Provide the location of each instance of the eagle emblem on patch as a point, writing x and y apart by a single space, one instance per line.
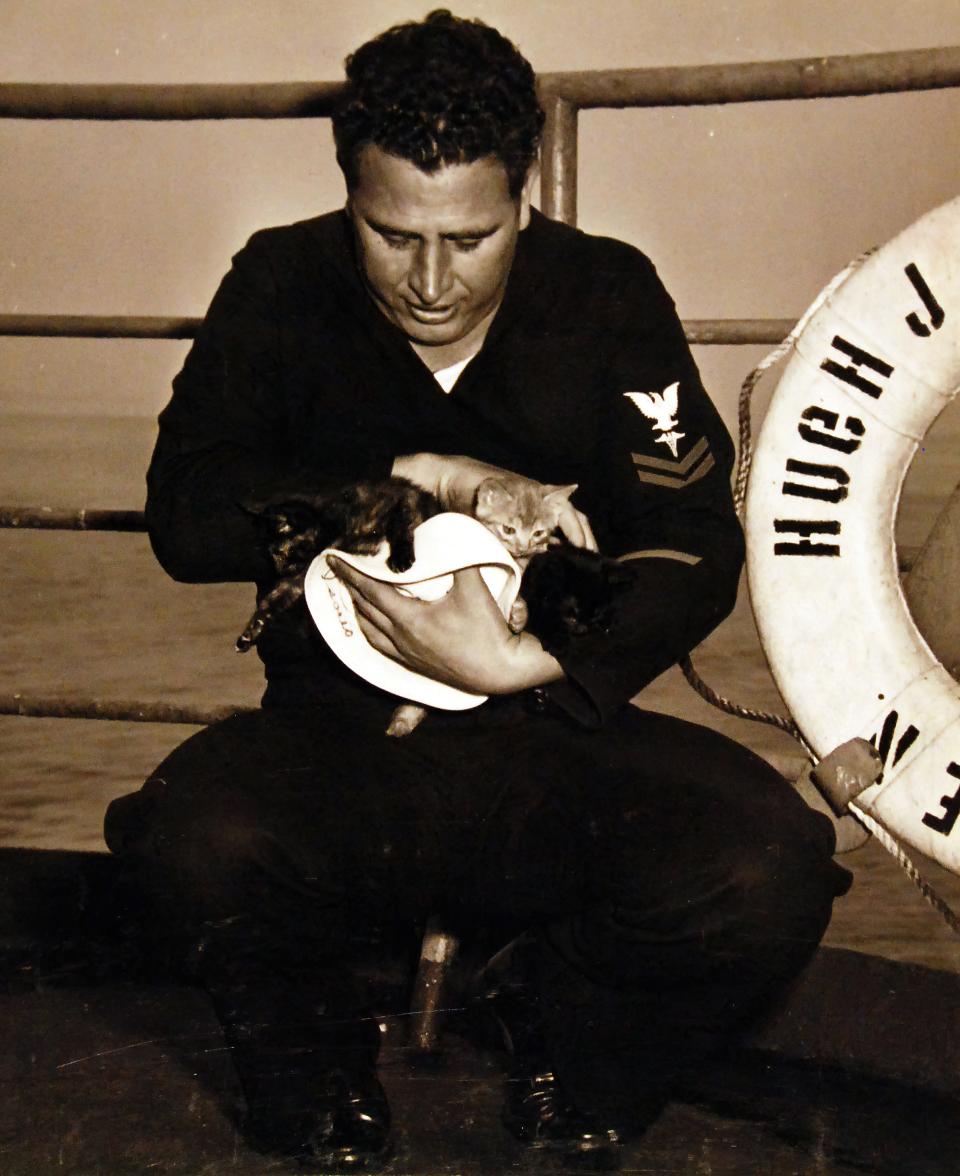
660 408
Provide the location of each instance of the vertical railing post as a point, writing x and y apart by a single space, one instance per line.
558 180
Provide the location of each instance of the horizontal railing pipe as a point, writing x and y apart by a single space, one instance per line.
116 710
41 518
736 332
168 102
74 326
759 81
750 81
98 326
45 518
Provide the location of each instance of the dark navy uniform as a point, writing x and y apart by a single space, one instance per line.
669 878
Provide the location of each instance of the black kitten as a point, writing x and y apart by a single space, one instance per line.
356 518
571 591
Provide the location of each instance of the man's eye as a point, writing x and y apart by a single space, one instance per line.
467 246
395 242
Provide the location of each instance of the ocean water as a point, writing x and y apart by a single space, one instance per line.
93 616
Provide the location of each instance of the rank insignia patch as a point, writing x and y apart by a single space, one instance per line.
675 472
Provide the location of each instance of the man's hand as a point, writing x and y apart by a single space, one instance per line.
454 481
461 639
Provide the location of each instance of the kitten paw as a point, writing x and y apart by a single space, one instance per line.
250 636
406 718
400 557
519 615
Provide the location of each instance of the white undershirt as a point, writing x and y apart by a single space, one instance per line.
448 376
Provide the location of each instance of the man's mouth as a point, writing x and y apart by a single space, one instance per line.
431 315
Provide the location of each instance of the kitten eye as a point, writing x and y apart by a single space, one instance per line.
508 530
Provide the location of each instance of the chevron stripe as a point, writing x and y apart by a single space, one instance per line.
672 465
676 482
661 553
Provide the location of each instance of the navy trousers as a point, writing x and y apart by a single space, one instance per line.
669 881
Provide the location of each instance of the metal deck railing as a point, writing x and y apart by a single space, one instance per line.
563 95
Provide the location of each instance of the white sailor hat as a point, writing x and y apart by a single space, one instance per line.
444 544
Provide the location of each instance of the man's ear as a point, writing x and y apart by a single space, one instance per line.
526 193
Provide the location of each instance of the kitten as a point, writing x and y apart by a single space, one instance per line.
523 515
572 591
356 518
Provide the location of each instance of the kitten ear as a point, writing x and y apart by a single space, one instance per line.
491 494
558 494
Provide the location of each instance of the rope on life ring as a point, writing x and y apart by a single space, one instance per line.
873 365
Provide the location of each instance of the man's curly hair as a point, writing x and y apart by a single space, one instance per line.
439 91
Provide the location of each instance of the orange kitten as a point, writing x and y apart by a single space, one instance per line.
523 515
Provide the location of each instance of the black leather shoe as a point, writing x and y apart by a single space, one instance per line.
343 1128
538 1112
537 1109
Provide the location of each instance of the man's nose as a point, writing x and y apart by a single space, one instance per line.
430 276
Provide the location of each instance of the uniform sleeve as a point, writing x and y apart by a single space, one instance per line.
662 503
225 440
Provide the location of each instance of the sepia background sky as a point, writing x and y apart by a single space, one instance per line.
747 210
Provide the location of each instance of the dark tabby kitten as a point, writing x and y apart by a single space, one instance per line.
356 518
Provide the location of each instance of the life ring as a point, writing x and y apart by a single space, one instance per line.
870 371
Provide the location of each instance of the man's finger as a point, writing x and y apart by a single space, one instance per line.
570 527
470 590
576 528
378 639
374 623
469 582
384 597
590 542
369 615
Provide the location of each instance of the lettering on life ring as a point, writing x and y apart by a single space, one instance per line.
870 372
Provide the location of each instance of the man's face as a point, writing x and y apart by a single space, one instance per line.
436 249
